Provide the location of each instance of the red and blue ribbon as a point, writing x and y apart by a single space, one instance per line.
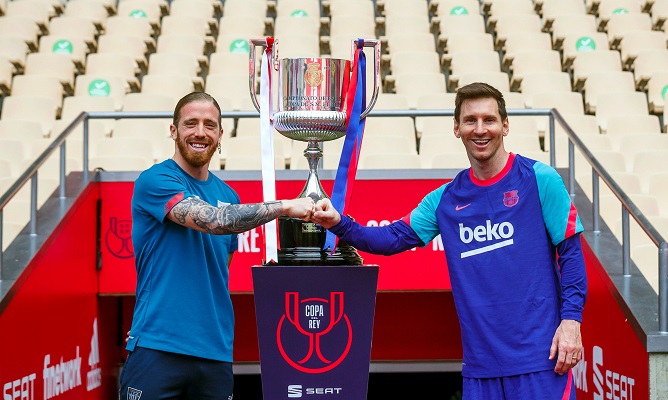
355 105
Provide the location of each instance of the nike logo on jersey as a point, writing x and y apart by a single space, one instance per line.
457 208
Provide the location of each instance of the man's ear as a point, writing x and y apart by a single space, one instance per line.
172 131
456 128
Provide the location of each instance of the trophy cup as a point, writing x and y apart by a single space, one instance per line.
311 108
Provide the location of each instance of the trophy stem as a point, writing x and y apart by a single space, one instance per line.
313 188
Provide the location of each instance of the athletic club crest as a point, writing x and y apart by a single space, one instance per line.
313 75
510 198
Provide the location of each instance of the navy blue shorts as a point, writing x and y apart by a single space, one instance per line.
545 385
152 374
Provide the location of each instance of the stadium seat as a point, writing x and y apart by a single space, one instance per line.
458 25
52 64
467 62
22 27
635 42
186 44
647 63
657 92
497 79
544 82
456 159
577 44
659 14
529 61
525 41
507 24
406 23
39 85
92 10
552 9
16 50
602 82
30 108
208 9
590 62
177 64
237 8
149 9
190 24
619 25
504 7
68 25
571 24
456 7
124 65
230 86
389 161
415 85
120 43
619 103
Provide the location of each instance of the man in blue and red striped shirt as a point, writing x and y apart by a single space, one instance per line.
512 243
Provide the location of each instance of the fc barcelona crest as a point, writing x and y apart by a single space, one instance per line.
510 198
313 75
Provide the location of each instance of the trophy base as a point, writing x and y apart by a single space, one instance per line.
302 242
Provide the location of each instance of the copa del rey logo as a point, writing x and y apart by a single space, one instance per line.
315 334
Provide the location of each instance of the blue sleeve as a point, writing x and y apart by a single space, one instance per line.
385 240
559 213
573 277
157 192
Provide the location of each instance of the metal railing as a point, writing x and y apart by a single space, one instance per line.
628 208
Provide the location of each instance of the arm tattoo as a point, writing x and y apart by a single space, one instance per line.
233 218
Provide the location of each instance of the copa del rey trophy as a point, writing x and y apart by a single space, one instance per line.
316 101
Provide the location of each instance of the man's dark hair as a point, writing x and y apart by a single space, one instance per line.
195 96
479 90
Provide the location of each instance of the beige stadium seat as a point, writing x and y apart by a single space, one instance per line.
34 10
16 50
188 25
572 24
30 108
529 61
226 62
93 10
186 44
127 25
439 142
619 103
391 101
637 142
665 114
525 41
177 64
74 47
415 85
52 64
353 25
456 159
150 129
6 75
124 65
590 62
466 62
75 105
415 62
102 85
648 162
456 7
289 25
606 8
457 25
308 8
436 101
657 188
390 144
196 8
544 82
20 130
15 151
243 26
390 161
391 127
577 44
39 85
148 102
659 14
22 27
408 42
619 25
134 46
172 85
647 64
409 23
507 24
502 7
230 86
250 163
497 79
68 25
635 42
235 8
467 42
334 8
402 7
631 124
149 9
567 103
657 92
551 9
598 83
234 43
435 126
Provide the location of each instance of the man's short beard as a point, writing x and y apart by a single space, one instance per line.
193 158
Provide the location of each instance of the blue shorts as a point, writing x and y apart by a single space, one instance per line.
544 385
152 374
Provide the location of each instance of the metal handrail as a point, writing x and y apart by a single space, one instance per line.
598 172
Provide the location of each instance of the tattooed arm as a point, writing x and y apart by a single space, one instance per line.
197 214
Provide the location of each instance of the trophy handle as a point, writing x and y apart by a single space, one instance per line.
251 66
375 43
